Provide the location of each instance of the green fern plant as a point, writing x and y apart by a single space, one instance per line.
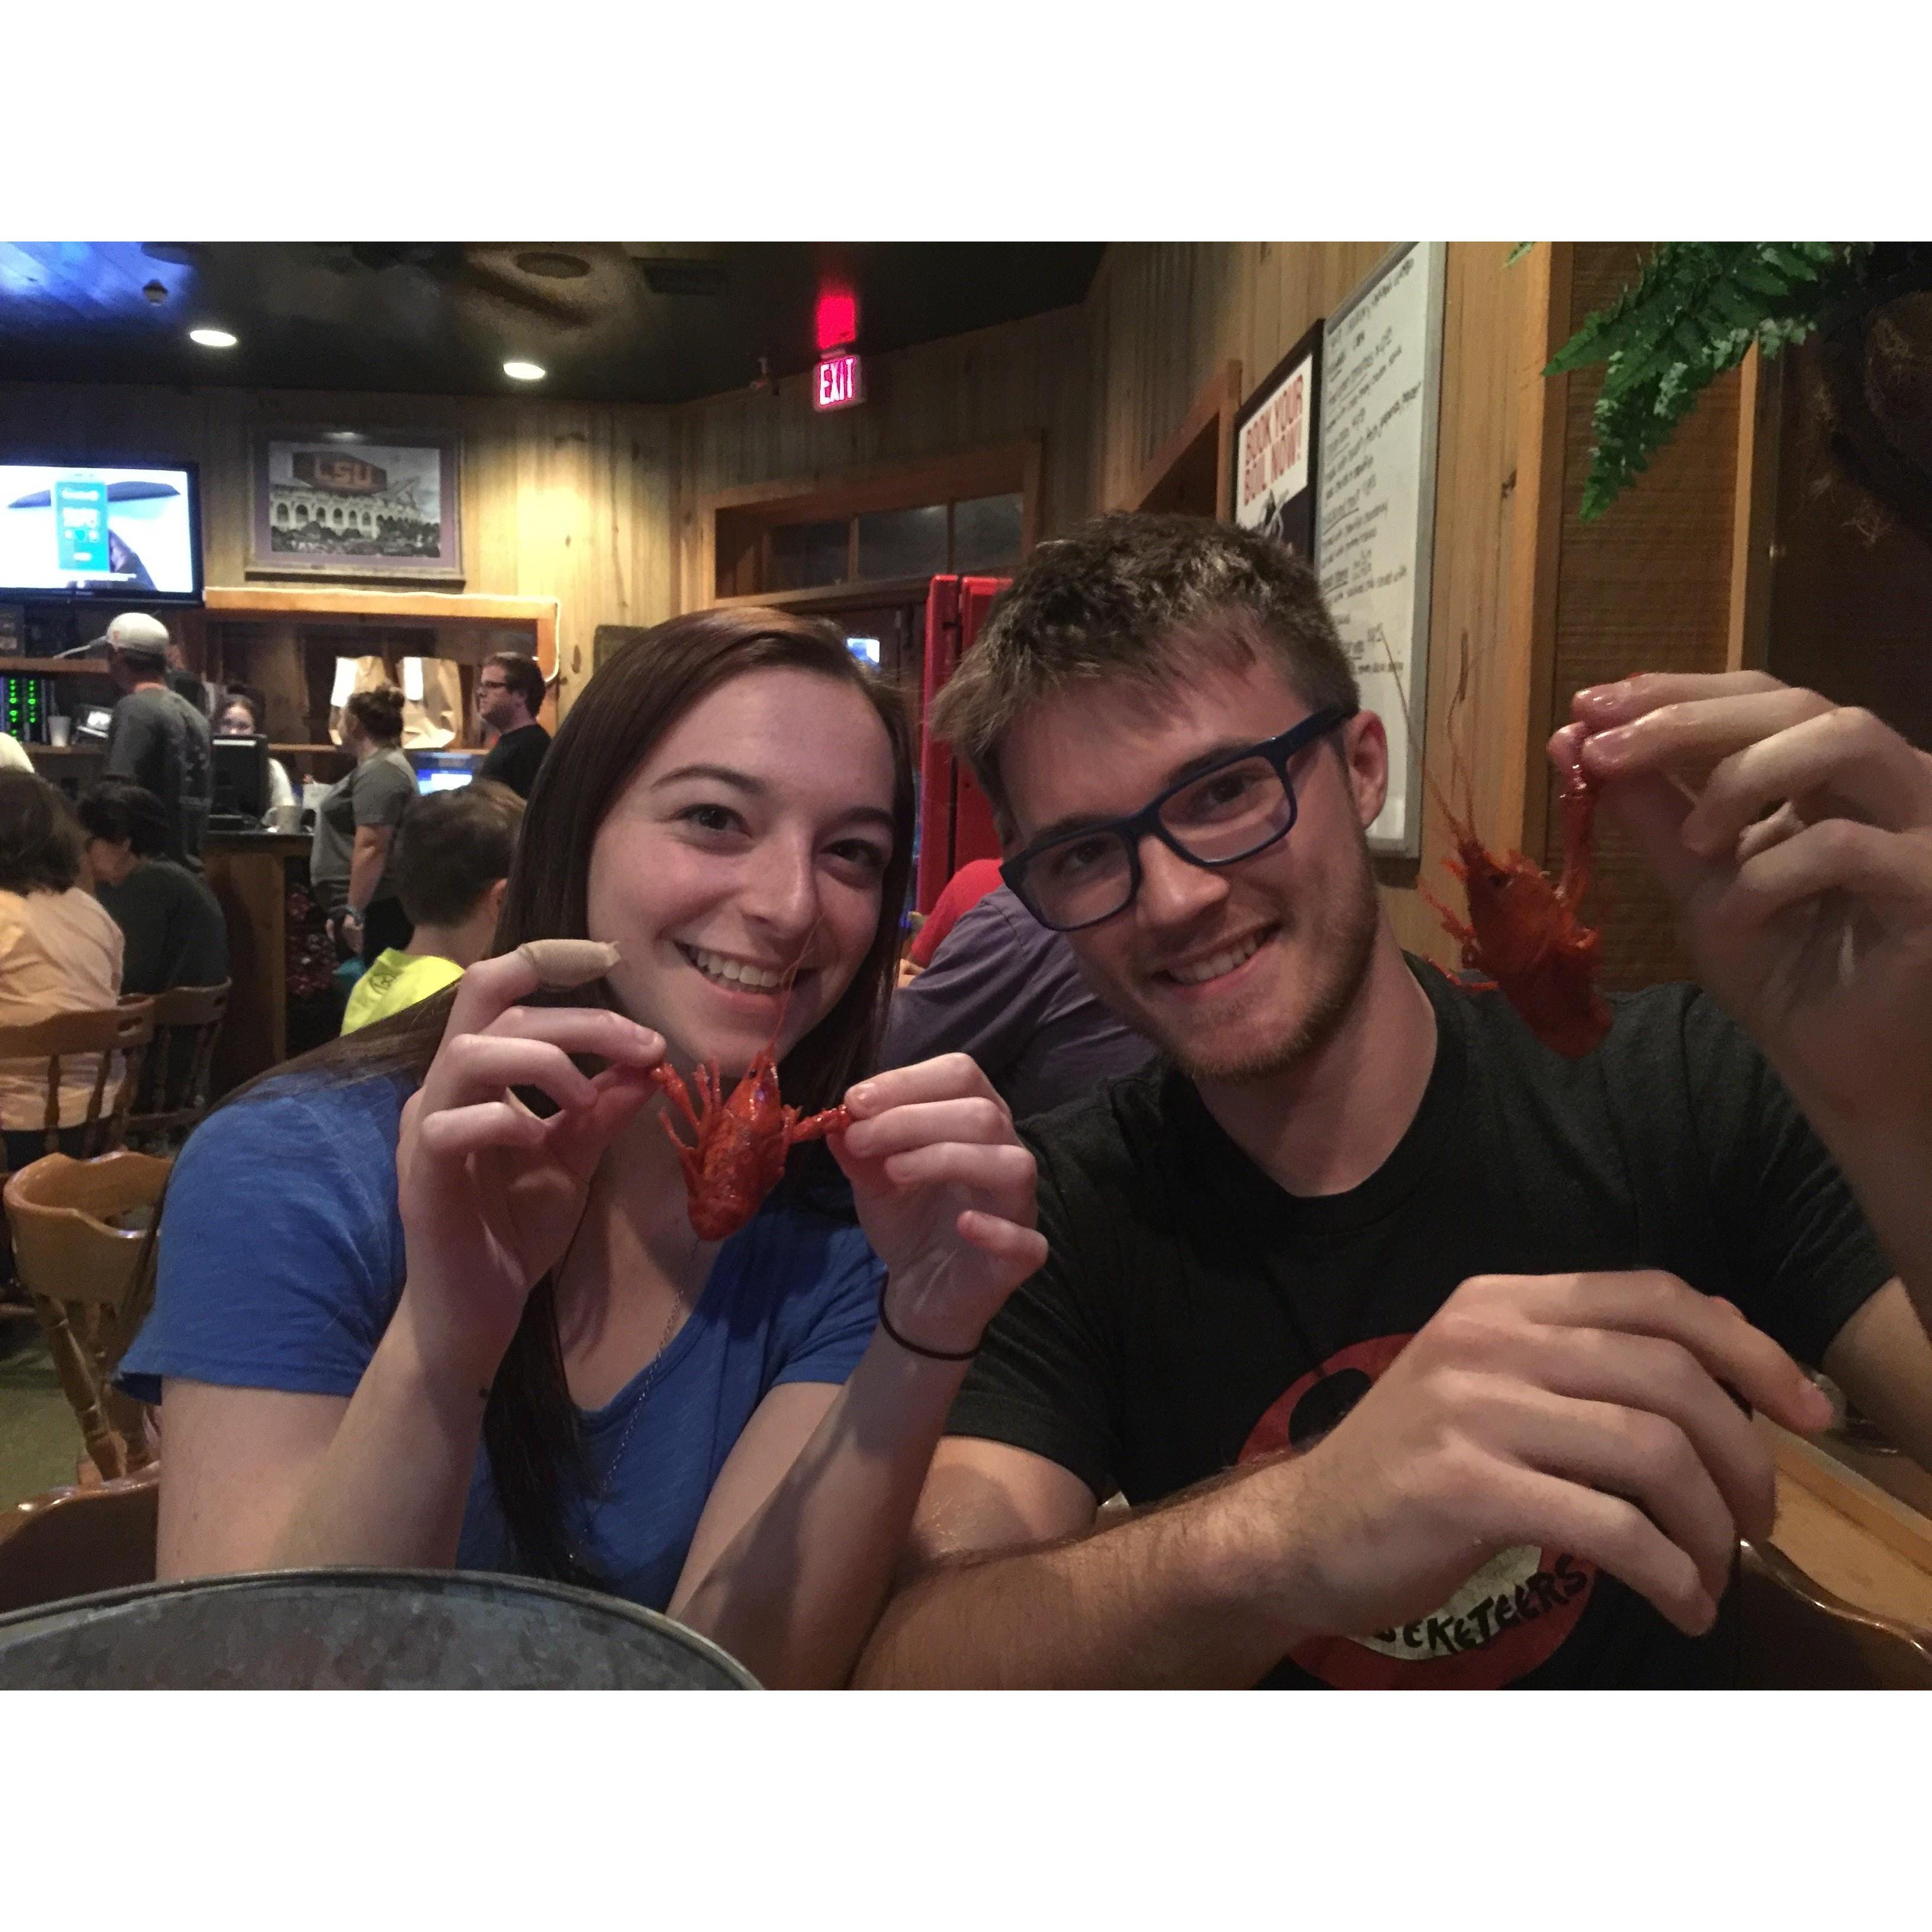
1693 312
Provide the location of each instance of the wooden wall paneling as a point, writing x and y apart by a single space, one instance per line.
1537 540
1024 381
1471 644
1201 441
570 501
1753 515
1646 587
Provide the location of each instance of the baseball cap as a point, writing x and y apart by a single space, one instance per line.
135 632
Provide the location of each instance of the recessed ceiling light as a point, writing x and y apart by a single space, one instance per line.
212 338
555 265
525 372
345 435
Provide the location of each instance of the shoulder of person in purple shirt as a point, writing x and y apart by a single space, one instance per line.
1006 990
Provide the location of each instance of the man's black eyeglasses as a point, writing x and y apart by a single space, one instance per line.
1239 805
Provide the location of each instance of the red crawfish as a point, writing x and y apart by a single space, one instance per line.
1524 933
741 1143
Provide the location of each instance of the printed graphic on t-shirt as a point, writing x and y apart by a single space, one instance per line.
1510 1616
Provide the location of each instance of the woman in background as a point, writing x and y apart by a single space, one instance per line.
240 717
349 863
60 952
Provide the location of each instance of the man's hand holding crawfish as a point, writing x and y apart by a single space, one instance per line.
1797 836
490 1193
945 1191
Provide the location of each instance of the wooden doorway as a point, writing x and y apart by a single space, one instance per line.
1193 471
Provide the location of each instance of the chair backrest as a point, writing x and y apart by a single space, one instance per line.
124 1029
91 1283
1795 1635
188 1027
72 1543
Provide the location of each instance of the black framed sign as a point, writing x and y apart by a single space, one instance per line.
1277 452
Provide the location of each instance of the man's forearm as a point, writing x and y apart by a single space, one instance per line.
1186 1594
1891 1173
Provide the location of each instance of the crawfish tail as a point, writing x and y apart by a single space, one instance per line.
1578 799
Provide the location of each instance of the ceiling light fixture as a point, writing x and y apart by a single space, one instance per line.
525 372
554 265
212 338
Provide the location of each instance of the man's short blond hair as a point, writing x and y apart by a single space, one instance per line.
1143 600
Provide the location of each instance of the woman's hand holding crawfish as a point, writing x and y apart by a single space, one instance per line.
1797 836
489 1194
945 1191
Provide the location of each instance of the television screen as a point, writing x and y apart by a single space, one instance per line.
69 529
444 771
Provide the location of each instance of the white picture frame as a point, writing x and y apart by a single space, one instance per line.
1375 538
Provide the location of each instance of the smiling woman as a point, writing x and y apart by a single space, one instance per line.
526 1356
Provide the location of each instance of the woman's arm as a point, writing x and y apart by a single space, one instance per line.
371 854
802 1533
489 1195
261 1479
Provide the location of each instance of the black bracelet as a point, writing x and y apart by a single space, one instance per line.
913 1348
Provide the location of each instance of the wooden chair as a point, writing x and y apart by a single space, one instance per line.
125 1030
90 1283
72 1543
187 1026
1794 1634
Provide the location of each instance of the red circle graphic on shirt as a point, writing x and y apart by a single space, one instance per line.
1509 1617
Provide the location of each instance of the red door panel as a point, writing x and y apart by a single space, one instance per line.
956 822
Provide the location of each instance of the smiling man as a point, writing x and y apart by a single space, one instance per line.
1418 1349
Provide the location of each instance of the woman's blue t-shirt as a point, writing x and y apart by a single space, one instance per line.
281 1262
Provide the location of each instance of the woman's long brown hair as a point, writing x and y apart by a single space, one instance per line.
530 1426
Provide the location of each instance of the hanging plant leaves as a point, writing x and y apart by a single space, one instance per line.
1695 311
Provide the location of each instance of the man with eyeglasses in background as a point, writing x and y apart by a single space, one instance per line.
1419 1352
509 694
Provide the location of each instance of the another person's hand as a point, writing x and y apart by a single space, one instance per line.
1797 836
909 971
945 1192
491 1194
1587 1413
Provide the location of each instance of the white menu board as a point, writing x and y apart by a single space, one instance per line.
1374 519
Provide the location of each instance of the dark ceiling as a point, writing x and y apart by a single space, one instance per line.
611 322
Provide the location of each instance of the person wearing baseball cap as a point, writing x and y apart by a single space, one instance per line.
156 738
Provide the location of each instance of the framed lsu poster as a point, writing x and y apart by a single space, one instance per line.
1276 452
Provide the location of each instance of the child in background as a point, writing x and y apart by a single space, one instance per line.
452 862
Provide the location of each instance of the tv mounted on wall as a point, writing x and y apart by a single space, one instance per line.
110 532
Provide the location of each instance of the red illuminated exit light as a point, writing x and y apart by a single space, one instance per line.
837 320
839 383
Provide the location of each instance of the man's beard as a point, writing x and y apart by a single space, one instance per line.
1342 968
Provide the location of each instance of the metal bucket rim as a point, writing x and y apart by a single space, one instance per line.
442 1581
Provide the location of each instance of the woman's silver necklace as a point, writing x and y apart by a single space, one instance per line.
644 1388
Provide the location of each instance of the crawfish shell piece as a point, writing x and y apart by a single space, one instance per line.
564 963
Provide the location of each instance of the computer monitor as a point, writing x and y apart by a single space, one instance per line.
240 779
444 771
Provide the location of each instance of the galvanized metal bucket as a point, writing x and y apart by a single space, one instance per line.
344 1629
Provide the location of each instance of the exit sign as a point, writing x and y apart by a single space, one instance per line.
840 383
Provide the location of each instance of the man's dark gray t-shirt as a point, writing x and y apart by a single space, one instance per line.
175 931
160 741
1006 990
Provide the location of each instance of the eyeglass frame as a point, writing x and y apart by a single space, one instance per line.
1146 823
